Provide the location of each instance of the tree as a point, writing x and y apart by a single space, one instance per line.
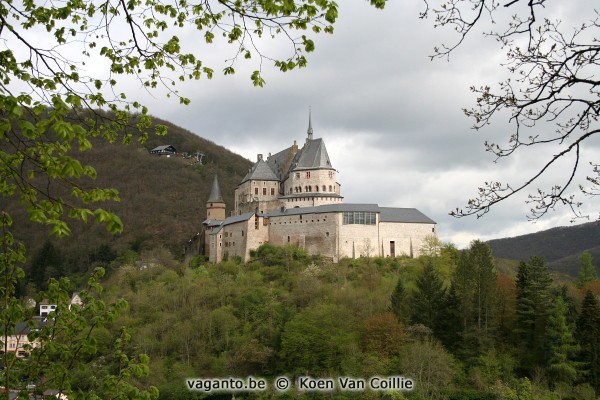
474 282
587 333
551 96
561 344
587 270
427 300
480 255
532 308
398 301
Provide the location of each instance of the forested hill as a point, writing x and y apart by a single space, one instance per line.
560 246
163 200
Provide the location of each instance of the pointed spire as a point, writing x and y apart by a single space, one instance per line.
310 129
215 193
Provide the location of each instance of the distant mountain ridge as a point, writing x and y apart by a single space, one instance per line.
560 246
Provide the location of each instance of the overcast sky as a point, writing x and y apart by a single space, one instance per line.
391 118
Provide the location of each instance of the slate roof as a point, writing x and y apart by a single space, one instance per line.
386 214
215 193
162 148
408 215
233 220
260 172
312 155
277 161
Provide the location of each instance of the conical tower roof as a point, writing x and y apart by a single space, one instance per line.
215 193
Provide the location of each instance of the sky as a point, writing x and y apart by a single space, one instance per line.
391 118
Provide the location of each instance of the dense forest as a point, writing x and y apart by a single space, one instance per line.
450 321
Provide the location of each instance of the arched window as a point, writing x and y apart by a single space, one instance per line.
324 188
330 189
316 188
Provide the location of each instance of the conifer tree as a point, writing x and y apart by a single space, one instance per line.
464 283
480 255
532 306
561 344
587 334
587 270
398 302
450 321
427 300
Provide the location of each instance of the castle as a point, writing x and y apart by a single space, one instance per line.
293 197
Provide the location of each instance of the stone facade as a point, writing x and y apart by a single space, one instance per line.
293 197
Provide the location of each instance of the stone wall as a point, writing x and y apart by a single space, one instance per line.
407 237
316 233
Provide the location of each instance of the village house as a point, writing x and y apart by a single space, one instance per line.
293 197
166 150
18 341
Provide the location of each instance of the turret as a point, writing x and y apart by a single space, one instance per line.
215 206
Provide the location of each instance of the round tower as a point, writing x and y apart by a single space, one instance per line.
215 206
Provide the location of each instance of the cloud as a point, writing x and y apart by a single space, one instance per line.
391 118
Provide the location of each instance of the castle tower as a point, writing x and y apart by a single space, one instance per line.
215 206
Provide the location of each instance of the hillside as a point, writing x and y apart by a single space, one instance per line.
560 246
162 199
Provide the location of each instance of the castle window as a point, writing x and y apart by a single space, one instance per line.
272 191
264 191
297 175
308 174
288 239
330 188
326 234
316 188
359 217
324 188
242 233
255 190
331 174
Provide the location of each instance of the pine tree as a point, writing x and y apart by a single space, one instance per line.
464 284
587 270
561 344
398 302
449 325
532 306
480 255
427 300
587 334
